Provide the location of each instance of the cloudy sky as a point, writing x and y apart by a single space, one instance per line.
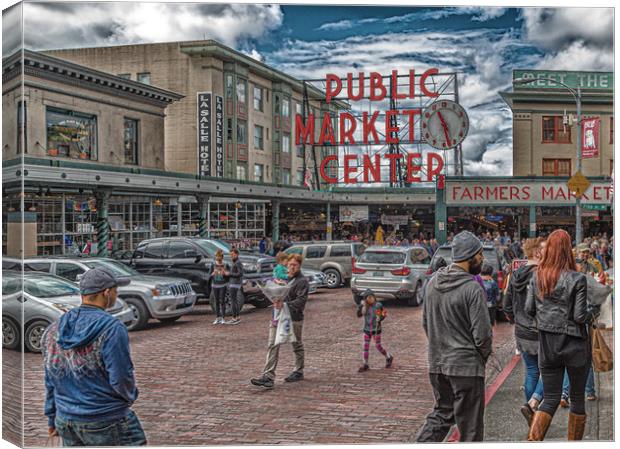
482 44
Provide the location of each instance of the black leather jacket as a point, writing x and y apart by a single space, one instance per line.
514 303
565 311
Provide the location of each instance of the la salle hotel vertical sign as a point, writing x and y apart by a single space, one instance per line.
204 133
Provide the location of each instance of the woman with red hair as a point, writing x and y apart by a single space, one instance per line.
557 298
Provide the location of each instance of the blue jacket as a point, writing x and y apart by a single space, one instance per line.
89 375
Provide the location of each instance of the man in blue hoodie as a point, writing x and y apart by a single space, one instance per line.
89 377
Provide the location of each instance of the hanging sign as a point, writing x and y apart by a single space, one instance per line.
219 136
353 213
204 133
394 219
590 137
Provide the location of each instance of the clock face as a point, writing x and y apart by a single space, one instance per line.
444 124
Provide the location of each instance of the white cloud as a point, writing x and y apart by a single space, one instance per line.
495 161
254 54
334 26
11 29
579 56
66 25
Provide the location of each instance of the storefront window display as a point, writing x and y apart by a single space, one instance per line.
71 134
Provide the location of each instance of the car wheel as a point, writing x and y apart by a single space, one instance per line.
34 335
140 314
333 278
260 302
170 319
10 334
415 300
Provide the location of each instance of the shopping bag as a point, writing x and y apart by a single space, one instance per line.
284 331
597 292
602 358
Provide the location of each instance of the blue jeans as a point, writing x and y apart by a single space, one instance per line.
590 389
533 382
126 431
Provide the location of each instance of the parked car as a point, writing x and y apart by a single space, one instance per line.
334 258
491 256
191 258
43 299
164 298
317 279
391 272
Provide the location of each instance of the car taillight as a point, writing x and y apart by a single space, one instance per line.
429 272
355 269
404 271
500 280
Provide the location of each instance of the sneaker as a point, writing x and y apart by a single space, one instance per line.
564 402
295 376
591 397
363 368
262 382
221 320
231 321
388 361
217 321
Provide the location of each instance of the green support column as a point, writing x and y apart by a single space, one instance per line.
328 233
532 229
103 227
441 214
203 201
275 220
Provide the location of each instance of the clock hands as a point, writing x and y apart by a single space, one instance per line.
445 127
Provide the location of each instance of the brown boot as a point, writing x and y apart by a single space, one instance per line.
539 426
576 426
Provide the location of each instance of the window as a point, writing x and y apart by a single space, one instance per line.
298 109
258 98
611 167
286 143
131 141
315 252
181 250
241 172
258 137
68 271
294 250
154 250
144 78
611 130
229 86
286 107
258 172
37 266
241 89
300 178
71 134
229 130
340 251
556 167
241 132
554 131
286 176
139 253
420 256
22 145
125 76
11 265
299 150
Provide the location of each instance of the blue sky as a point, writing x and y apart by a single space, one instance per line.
483 44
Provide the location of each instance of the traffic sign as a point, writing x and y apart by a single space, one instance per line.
578 184
594 206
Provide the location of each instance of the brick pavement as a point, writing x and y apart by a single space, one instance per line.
194 380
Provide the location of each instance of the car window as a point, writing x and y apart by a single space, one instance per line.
420 256
340 251
139 254
387 257
359 248
446 253
68 271
10 265
210 247
315 252
154 250
117 268
11 285
294 250
181 250
37 266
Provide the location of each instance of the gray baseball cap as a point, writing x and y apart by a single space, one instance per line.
98 279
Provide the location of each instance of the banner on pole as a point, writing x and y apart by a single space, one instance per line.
590 137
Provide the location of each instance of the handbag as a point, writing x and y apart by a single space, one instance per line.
602 358
284 331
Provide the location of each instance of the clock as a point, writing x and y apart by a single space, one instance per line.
444 124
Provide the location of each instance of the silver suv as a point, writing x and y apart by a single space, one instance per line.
164 298
391 272
334 258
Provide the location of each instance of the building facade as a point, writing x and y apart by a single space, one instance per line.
253 138
545 122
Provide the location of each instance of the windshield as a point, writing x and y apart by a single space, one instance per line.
210 246
49 287
420 256
386 257
488 254
224 245
117 268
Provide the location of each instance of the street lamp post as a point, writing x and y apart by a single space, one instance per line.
577 96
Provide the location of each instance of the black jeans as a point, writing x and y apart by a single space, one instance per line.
492 314
458 400
220 301
234 292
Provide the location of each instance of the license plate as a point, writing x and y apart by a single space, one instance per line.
378 273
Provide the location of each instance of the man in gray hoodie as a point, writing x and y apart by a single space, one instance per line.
458 328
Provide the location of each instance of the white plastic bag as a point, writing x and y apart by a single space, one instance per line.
284 331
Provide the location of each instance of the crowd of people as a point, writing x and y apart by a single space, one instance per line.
91 387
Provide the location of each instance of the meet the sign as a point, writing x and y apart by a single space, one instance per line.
584 80
219 136
204 133
468 193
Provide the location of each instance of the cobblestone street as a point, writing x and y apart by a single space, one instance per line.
194 380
